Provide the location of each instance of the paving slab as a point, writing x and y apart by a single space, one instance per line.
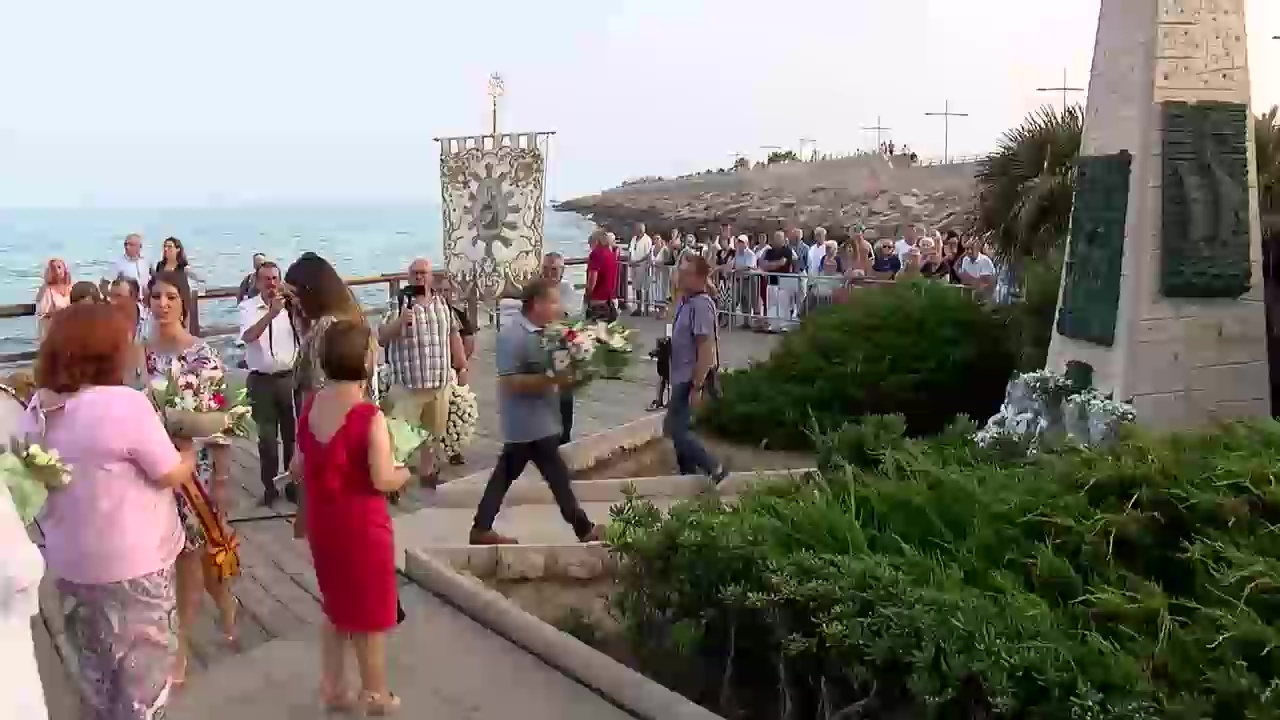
443 665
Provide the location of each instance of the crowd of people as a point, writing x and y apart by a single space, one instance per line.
770 282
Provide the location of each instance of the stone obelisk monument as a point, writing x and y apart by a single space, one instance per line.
1162 289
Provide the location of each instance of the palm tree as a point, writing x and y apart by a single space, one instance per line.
1024 187
1267 150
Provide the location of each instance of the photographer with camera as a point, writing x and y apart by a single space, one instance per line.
270 348
423 342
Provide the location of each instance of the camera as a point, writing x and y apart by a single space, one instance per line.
413 291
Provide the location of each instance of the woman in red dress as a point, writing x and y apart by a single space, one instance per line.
346 467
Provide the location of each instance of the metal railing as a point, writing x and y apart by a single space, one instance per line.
392 281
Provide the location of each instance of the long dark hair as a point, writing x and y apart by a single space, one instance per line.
320 290
177 280
181 263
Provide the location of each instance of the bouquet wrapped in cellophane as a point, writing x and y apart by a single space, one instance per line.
199 406
588 350
31 473
406 438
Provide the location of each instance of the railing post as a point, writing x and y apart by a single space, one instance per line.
193 316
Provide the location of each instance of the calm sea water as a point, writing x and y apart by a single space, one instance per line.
220 243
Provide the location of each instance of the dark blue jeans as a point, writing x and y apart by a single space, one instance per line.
691 456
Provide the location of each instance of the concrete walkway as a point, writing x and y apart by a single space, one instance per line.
442 665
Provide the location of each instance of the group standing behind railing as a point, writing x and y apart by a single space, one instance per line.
770 283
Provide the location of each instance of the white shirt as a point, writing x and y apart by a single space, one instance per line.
275 349
639 249
980 266
744 260
136 268
816 253
902 247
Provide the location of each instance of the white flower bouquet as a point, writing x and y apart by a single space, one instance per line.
588 349
464 412
31 473
1043 410
613 351
197 406
572 349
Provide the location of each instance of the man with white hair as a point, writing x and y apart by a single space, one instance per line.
817 251
423 343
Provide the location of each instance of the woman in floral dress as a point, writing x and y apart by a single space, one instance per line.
172 345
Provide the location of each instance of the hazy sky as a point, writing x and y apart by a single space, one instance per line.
148 103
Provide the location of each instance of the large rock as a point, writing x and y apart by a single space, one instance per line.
837 194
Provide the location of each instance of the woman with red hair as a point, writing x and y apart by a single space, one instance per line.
54 293
112 534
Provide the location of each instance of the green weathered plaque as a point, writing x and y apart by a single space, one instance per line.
1091 289
1204 251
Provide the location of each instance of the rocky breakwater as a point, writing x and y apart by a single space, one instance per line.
876 192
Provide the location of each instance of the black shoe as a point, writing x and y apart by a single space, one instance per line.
394 497
457 459
636 313
291 492
719 475
269 498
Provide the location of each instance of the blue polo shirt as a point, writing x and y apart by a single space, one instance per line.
525 417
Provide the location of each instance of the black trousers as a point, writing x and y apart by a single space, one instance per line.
271 397
566 416
545 455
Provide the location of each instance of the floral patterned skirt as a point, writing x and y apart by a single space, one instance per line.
126 641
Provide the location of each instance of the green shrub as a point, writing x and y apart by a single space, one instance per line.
925 351
925 579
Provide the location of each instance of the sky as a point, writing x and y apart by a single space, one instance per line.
150 103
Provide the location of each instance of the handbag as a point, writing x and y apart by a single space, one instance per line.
222 550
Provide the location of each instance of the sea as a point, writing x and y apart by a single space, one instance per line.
220 244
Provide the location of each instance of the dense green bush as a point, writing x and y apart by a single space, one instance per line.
922 578
927 351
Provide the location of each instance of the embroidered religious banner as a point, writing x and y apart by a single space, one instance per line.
492 197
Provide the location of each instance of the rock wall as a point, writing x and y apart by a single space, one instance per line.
880 193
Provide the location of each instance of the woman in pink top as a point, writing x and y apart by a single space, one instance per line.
112 535
54 293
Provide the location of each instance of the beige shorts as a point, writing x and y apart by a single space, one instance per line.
428 408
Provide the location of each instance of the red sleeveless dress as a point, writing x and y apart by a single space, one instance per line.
348 526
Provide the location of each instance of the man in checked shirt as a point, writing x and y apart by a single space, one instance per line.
423 343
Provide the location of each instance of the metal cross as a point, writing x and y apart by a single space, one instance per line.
1064 89
879 128
946 116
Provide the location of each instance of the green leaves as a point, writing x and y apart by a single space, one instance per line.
931 578
925 351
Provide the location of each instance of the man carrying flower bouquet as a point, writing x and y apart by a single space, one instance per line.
529 406
423 342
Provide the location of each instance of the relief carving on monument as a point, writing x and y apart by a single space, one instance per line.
1202 45
1205 213
1091 289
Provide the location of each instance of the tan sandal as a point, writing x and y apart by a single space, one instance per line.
379 704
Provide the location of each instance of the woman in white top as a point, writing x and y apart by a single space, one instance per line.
21 567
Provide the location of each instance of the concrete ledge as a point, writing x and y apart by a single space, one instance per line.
586 453
528 562
626 688
532 491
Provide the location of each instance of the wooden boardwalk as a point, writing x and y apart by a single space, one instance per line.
277 590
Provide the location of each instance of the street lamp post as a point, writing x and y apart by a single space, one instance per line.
946 116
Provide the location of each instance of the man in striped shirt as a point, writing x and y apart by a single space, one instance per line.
423 342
